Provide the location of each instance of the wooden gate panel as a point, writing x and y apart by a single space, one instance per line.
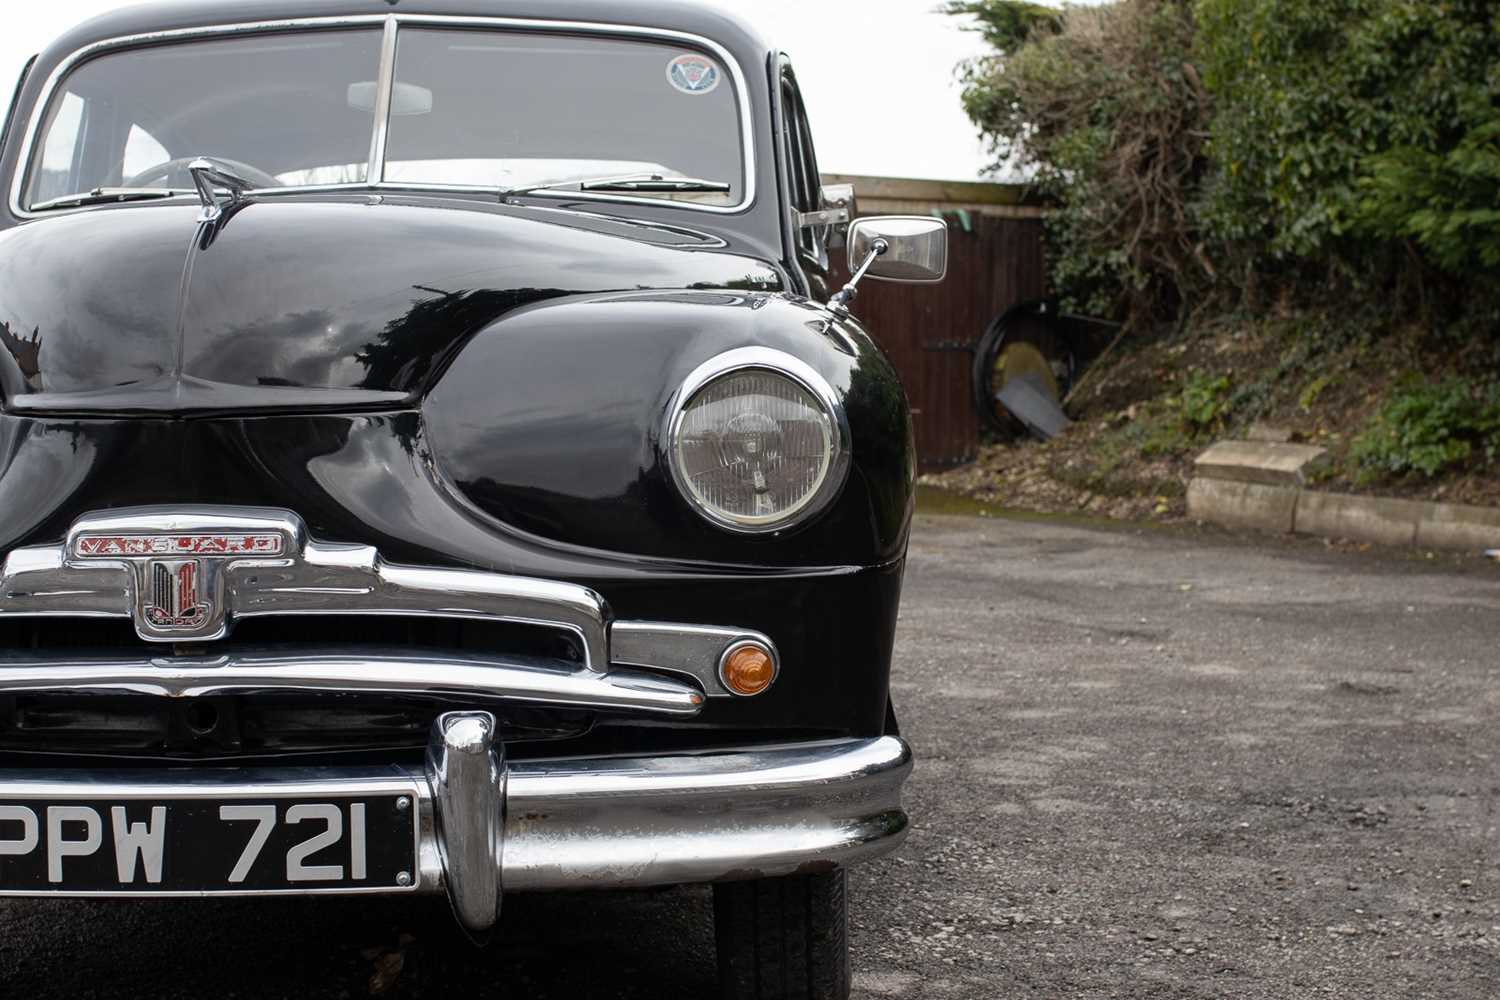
929 331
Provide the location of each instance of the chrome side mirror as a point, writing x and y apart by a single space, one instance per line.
905 248
917 247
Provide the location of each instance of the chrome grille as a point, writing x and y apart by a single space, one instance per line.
220 607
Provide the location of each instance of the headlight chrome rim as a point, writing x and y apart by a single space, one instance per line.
801 374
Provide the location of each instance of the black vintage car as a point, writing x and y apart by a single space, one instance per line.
432 461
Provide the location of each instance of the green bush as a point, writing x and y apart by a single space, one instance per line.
1310 148
1204 402
1103 107
1343 127
1448 202
1429 428
1177 424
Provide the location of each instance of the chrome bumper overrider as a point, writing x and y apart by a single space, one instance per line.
487 826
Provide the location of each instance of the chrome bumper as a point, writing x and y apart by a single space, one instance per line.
487 826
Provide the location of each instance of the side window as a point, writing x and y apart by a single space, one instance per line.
791 144
58 162
92 142
810 179
142 151
802 166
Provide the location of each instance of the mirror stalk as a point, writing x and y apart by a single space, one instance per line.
209 175
841 299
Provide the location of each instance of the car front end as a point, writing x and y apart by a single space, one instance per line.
406 492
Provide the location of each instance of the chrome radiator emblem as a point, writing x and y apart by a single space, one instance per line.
178 576
173 600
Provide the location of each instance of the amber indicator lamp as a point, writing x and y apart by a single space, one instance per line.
747 668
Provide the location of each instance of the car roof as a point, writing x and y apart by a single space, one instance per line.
698 18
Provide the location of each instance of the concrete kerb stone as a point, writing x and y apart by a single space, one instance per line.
1362 519
1269 462
1237 504
1458 526
1258 484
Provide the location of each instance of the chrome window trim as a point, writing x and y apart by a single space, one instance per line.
391 24
790 367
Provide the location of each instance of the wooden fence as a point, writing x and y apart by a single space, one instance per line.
995 261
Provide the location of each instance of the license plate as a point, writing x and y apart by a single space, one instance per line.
355 843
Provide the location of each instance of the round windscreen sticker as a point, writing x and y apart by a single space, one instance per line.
694 74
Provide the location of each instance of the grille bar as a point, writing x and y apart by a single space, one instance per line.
301 576
479 678
187 575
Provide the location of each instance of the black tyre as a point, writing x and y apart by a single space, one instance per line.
1025 342
783 938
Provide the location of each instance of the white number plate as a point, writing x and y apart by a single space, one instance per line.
201 845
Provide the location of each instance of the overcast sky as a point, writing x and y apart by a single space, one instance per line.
877 76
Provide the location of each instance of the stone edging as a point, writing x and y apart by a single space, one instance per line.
1382 520
1260 485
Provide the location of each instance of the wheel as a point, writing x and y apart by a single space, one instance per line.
1024 343
783 938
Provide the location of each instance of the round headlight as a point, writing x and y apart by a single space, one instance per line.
758 441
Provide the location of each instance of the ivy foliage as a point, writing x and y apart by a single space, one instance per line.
1341 126
1296 147
1429 428
1447 202
1204 403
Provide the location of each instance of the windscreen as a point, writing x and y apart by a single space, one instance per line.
511 109
468 108
276 107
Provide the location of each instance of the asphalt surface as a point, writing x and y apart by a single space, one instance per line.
1151 764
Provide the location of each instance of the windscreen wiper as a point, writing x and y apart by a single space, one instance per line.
627 182
105 196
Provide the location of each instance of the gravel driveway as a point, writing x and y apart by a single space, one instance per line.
1159 764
